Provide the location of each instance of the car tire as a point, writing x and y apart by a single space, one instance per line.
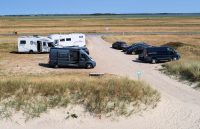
89 66
153 61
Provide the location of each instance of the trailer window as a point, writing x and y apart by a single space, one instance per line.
80 36
50 44
44 43
31 42
68 39
23 42
62 40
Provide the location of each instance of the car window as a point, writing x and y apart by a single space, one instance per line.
63 55
84 56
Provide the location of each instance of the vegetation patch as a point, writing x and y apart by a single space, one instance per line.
34 95
175 45
187 69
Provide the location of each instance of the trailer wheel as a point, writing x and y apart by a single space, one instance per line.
31 52
89 66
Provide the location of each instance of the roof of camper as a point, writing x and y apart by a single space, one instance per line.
61 35
43 38
30 37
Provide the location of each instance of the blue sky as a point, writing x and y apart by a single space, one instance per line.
8 7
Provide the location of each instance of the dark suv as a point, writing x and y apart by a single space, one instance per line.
133 45
137 49
120 45
156 54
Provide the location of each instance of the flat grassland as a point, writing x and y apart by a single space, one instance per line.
46 25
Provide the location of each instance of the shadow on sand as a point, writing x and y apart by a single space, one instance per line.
46 65
15 52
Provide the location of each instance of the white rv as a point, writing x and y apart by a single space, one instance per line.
64 40
34 44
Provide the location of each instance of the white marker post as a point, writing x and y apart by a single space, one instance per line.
139 74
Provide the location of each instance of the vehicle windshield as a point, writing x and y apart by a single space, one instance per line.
86 54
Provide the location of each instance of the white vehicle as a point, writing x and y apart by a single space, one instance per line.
64 40
34 44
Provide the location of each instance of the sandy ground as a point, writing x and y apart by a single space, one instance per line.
179 107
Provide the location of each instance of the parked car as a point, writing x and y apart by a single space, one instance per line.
120 45
156 54
70 57
137 49
135 44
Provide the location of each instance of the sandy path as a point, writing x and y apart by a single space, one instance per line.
179 107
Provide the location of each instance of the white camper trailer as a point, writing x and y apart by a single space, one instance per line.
34 44
64 40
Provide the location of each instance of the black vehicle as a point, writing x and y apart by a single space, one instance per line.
135 44
120 45
70 57
137 49
156 54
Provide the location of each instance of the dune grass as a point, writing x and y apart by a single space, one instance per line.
34 95
187 69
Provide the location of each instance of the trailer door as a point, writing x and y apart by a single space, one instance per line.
39 46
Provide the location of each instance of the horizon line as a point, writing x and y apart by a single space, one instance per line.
65 14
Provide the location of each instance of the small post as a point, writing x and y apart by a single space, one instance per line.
139 74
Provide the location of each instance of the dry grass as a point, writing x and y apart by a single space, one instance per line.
46 25
109 94
188 67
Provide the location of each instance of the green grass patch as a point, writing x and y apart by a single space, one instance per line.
187 69
34 95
